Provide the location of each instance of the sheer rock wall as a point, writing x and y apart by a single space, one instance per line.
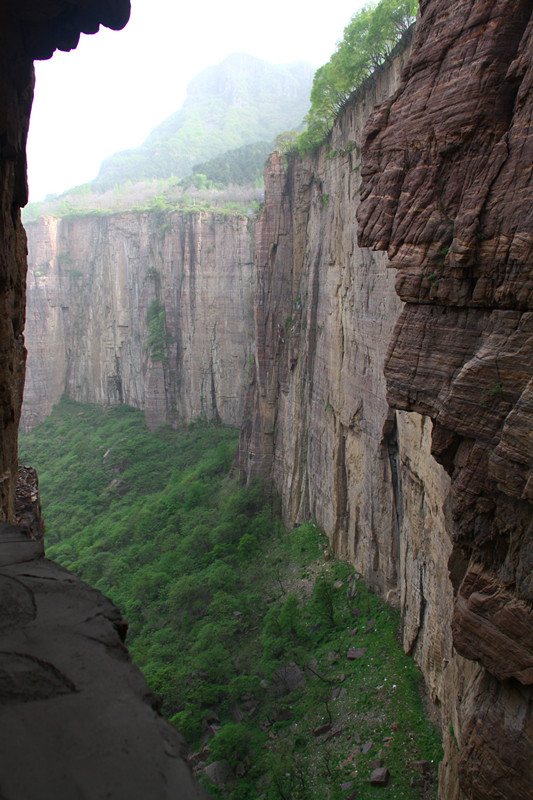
91 282
317 423
447 193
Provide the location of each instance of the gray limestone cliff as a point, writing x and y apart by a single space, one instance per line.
149 309
317 423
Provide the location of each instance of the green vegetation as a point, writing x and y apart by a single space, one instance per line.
240 101
368 42
190 195
238 167
209 155
158 339
253 637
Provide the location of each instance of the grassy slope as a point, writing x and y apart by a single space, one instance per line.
220 599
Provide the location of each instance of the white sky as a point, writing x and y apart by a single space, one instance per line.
110 92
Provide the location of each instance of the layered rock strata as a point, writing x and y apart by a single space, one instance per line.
446 182
142 308
447 192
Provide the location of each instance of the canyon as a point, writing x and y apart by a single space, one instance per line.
371 333
80 719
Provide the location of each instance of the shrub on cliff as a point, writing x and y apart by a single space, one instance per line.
368 42
158 339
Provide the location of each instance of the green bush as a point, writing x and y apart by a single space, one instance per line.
368 42
231 743
158 339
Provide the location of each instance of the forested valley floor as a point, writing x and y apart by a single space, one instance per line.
283 671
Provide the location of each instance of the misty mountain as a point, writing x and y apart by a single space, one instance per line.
242 100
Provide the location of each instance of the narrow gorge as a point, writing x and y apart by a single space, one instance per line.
370 331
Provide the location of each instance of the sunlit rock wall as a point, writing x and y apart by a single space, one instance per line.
92 282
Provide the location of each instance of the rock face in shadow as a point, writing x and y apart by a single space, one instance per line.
28 31
78 717
447 192
142 309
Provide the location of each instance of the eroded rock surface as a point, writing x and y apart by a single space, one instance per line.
91 285
447 192
78 719
28 513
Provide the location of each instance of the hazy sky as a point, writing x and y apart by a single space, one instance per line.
110 92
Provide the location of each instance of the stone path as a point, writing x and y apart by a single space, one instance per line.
77 720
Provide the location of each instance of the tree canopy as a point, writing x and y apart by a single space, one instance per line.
368 42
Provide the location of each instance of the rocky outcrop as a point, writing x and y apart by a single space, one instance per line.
447 192
150 309
78 717
28 513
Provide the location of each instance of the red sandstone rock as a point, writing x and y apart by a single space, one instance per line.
448 193
497 749
380 777
493 626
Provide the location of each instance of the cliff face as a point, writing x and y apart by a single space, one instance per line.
447 193
150 310
454 213
317 423
425 467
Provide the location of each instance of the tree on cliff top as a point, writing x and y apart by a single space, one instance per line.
368 42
